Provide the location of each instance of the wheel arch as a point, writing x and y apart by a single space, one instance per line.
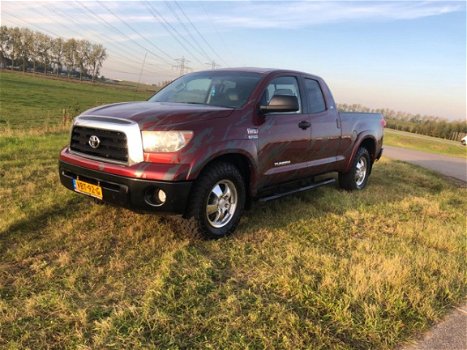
243 162
367 141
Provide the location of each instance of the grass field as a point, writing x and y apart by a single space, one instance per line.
424 143
324 269
29 101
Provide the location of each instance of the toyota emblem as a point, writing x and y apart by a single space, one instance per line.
94 141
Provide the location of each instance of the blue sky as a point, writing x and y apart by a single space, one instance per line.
404 55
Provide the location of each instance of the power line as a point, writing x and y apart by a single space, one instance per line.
32 25
170 29
125 63
60 15
115 56
213 64
198 32
122 33
221 39
182 65
196 44
121 71
135 31
141 71
58 36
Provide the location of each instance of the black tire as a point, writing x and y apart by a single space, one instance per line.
354 179
218 176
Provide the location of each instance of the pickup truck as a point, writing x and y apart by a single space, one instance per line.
211 142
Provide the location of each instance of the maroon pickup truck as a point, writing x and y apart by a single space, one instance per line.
210 142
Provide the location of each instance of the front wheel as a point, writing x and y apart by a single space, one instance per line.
357 177
217 201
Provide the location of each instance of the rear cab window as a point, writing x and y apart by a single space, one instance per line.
316 102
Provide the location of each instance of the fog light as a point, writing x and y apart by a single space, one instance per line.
161 196
155 197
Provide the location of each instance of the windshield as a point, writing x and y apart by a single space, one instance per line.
223 89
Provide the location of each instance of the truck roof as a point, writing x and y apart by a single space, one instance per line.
262 71
259 70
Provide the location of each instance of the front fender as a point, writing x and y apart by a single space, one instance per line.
245 148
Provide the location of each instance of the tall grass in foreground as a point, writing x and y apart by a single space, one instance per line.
324 269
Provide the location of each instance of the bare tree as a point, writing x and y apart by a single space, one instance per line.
82 49
70 55
96 57
37 48
44 45
14 43
25 46
5 45
57 50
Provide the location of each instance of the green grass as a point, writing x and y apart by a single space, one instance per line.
28 101
323 269
424 143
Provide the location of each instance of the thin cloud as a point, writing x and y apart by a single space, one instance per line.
241 14
304 14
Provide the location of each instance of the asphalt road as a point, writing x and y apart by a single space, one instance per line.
450 334
446 165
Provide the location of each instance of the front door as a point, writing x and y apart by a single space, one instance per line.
283 138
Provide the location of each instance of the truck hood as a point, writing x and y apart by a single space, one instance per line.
150 115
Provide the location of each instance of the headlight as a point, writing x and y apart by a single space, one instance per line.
165 141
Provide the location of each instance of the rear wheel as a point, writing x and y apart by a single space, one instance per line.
217 201
357 177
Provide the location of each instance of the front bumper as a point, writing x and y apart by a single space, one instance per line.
131 193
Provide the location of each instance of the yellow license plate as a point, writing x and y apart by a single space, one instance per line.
87 188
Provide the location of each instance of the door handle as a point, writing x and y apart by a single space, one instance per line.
304 125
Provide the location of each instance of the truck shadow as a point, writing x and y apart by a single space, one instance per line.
390 184
33 225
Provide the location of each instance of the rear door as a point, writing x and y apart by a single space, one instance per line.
282 143
325 128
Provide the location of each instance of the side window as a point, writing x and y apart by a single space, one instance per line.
282 86
316 102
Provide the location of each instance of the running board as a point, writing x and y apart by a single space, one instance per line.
297 190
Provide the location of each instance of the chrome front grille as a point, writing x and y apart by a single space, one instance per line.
113 144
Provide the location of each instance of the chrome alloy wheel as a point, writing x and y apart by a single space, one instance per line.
222 203
360 171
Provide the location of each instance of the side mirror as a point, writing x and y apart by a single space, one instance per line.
281 103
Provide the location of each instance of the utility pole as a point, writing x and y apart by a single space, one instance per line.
141 71
182 65
213 64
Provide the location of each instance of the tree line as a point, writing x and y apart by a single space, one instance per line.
22 48
415 123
